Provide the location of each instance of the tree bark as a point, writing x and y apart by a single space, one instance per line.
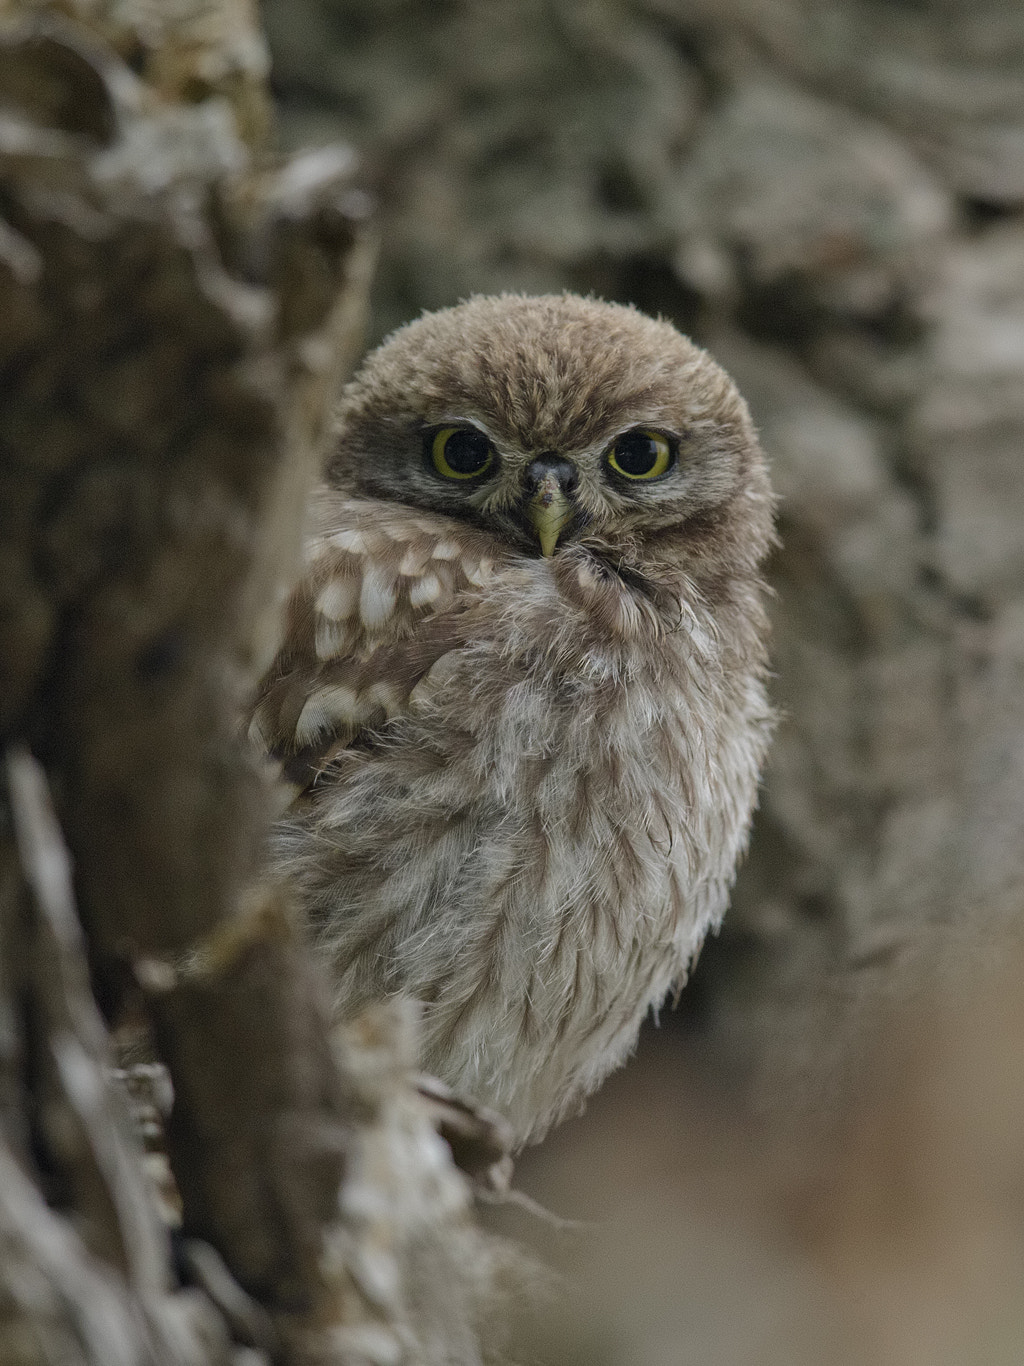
178 309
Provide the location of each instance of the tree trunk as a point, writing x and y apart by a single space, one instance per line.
178 310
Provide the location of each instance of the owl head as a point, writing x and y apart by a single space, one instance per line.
561 422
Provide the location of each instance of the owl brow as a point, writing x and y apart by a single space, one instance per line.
460 420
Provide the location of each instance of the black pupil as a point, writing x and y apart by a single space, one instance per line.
636 453
467 451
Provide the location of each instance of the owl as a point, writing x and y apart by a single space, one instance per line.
521 695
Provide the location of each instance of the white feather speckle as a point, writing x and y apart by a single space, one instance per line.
351 540
376 599
414 561
324 709
331 638
383 695
445 550
338 599
435 678
425 590
477 572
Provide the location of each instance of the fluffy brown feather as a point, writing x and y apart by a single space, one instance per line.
527 778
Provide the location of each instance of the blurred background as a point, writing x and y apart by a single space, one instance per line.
817 1157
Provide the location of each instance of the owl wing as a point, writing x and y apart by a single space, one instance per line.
385 595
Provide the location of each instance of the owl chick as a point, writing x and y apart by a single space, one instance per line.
522 685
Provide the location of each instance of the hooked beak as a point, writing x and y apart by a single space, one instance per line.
549 510
550 481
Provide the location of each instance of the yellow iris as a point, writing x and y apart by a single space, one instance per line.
641 454
461 452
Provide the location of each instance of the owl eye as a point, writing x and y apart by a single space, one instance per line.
641 454
460 452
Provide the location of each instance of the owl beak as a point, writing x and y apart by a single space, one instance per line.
549 510
549 507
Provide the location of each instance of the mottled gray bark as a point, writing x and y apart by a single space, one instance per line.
177 310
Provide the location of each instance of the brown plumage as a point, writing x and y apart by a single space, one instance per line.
522 686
